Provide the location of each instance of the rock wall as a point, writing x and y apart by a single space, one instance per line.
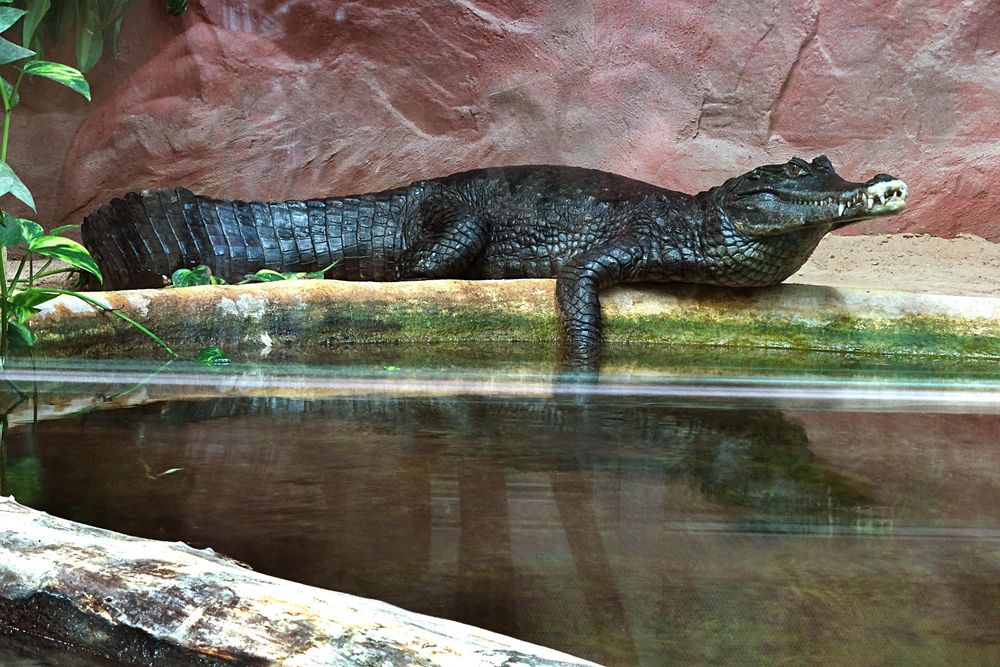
296 98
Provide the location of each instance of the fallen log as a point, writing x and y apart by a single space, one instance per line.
141 601
326 314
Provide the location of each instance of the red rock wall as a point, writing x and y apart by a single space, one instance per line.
296 98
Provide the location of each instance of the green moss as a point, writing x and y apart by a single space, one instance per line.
487 335
911 335
381 322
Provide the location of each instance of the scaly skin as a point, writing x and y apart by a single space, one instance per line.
588 229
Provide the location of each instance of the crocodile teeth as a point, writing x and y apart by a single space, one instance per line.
890 194
840 209
869 202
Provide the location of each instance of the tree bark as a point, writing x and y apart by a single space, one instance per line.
142 601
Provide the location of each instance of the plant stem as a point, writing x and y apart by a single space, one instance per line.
17 274
7 111
4 295
107 309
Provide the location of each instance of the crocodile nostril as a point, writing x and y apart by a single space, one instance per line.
880 178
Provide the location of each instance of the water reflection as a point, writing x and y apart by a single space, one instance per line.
622 529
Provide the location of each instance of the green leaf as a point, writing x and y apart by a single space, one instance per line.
266 276
14 231
213 356
111 34
89 38
31 298
11 184
199 275
66 12
64 74
9 16
67 250
9 52
176 7
10 232
9 93
36 12
21 314
25 335
30 230
63 228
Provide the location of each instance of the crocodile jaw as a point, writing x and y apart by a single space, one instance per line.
882 198
768 212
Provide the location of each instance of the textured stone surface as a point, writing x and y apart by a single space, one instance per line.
291 99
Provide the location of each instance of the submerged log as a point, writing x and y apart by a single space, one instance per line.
142 601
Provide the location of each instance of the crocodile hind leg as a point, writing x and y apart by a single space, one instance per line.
445 241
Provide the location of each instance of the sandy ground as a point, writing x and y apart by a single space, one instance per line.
966 265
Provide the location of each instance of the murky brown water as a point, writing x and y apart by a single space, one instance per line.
628 529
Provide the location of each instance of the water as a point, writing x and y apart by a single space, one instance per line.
673 519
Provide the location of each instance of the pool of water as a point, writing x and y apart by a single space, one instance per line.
642 519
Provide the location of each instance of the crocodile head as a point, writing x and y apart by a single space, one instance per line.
797 195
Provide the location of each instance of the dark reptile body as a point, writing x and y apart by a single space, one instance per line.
588 228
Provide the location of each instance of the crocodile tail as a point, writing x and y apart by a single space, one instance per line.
140 239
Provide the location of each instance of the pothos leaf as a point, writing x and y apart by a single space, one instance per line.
14 231
199 275
9 52
213 356
25 336
61 229
12 184
64 74
30 298
9 16
89 38
68 250
36 12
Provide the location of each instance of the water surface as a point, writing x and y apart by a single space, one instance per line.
667 520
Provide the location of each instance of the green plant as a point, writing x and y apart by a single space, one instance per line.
95 23
202 275
213 356
20 296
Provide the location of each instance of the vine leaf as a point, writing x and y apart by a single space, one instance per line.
67 250
10 183
9 16
9 52
64 74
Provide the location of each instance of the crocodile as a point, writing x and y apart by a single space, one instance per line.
589 229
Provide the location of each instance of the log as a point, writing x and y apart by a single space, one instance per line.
142 601
320 315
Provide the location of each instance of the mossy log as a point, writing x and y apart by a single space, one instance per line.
140 601
318 314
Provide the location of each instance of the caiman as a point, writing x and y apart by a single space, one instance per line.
588 229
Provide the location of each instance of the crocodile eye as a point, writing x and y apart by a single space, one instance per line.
793 169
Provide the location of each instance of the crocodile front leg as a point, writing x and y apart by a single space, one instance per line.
577 287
